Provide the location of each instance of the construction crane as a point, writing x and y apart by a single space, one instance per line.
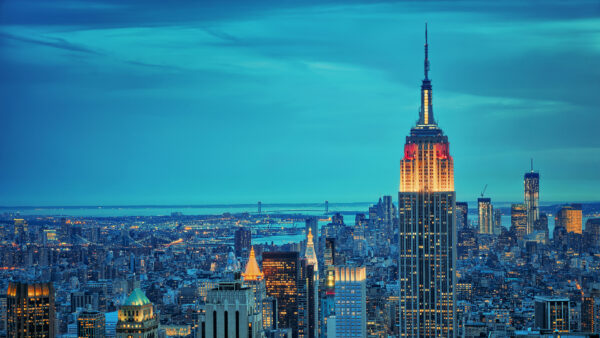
483 192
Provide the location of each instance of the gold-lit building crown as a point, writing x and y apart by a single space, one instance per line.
252 271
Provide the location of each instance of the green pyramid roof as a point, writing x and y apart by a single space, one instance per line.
137 297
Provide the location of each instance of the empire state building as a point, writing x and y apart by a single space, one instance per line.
427 234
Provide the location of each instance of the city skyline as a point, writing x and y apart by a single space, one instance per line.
274 103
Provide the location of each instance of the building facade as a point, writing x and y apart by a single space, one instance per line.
552 314
532 198
91 324
570 217
137 318
231 312
427 231
350 302
30 310
485 211
282 271
518 220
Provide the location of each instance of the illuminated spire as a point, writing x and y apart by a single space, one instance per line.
426 120
426 54
252 272
310 253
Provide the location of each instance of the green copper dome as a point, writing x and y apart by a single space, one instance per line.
137 297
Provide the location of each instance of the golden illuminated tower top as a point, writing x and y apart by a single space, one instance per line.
427 165
310 253
252 272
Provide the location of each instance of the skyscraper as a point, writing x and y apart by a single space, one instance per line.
497 221
462 212
255 280
91 324
570 217
30 310
518 220
427 234
532 197
137 318
243 241
309 291
231 312
350 302
552 314
282 270
485 210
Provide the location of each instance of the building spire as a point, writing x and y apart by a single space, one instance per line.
426 114
310 253
426 54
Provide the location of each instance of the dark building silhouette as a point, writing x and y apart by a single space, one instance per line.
282 271
243 241
30 310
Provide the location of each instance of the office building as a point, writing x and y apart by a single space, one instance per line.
462 213
91 324
570 218
497 222
329 255
427 231
518 220
308 300
231 312
592 230
30 310
242 241
532 198
282 271
137 318
552 314
485 211
254 279
350 302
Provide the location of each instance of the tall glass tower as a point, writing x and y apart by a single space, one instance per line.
427 236
532 197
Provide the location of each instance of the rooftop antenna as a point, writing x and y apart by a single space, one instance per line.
532 164
426 54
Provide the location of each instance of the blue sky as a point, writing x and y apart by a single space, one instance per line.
171 102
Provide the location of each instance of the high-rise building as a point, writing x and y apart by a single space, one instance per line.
308 303
30 310
231 312
91 324
532 198
254 279
462 213
485 210
243 241
137 318
570 217
552 314
588 315
592 230
329 255
518 220
389 210
350 302
497 221
427 231
282 271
